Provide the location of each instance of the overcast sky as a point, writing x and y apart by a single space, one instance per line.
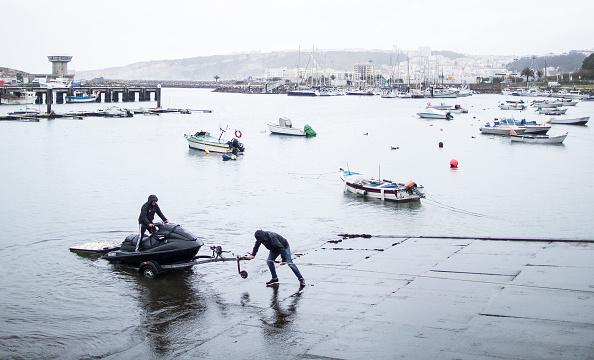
110 33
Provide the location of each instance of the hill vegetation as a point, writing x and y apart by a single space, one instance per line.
571 62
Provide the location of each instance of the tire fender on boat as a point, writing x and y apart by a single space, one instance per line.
237 133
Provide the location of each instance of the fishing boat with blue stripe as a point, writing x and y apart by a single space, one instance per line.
386 190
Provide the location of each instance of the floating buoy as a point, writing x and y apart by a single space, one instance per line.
440 144
395 148
365 134
441 129
453 163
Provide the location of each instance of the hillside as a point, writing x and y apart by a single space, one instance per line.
242 66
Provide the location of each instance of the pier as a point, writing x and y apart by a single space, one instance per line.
109 94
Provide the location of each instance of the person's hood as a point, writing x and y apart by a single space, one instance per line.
260 235
152 198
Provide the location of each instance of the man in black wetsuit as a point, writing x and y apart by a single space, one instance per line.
277 245
147 214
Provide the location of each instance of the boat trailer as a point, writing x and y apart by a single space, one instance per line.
151 269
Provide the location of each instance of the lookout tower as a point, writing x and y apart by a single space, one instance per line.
59 65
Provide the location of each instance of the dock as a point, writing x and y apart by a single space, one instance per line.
392 297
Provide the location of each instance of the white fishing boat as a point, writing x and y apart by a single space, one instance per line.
381 189
566 102
509 105
572 94
202 140
19 97
303 92
574 121
440 106
502 127
549 111
435 114
538 139
285 127
546 104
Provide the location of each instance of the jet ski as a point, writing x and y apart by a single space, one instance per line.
169 243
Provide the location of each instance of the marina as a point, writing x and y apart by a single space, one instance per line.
471 270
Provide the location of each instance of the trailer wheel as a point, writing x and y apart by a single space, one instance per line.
243 274
149 270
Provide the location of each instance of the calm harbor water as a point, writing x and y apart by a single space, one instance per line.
67 182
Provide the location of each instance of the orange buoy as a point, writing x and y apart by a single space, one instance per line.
454 163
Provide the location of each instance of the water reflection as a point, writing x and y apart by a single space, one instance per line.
282 311
170 307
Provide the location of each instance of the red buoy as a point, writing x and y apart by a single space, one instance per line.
454 163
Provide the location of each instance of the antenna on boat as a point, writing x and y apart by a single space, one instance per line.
379 172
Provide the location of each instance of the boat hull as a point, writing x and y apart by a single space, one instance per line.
575 121
496 130
75 99
282 130
205 143
539 139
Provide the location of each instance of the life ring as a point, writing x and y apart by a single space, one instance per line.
237 133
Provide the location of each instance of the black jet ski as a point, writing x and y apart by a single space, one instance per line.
170 243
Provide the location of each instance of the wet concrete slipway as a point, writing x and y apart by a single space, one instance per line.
384 297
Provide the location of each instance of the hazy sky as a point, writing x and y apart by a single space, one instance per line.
109 33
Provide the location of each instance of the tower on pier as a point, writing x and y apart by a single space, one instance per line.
59 65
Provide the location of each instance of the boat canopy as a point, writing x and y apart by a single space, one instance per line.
285 122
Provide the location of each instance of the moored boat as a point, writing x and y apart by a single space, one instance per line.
502 127
381 189
83 97
512 105
532 127
574 121
549 111
202 140
538 139
434 114
303 92
22 97
285 127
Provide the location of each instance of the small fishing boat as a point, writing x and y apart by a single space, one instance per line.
441 106
502 127
574 121
512 105
285 127
381 189
83 97
552 111
202 140
303 92
114 111
538 139
531 127
434 114
21 97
